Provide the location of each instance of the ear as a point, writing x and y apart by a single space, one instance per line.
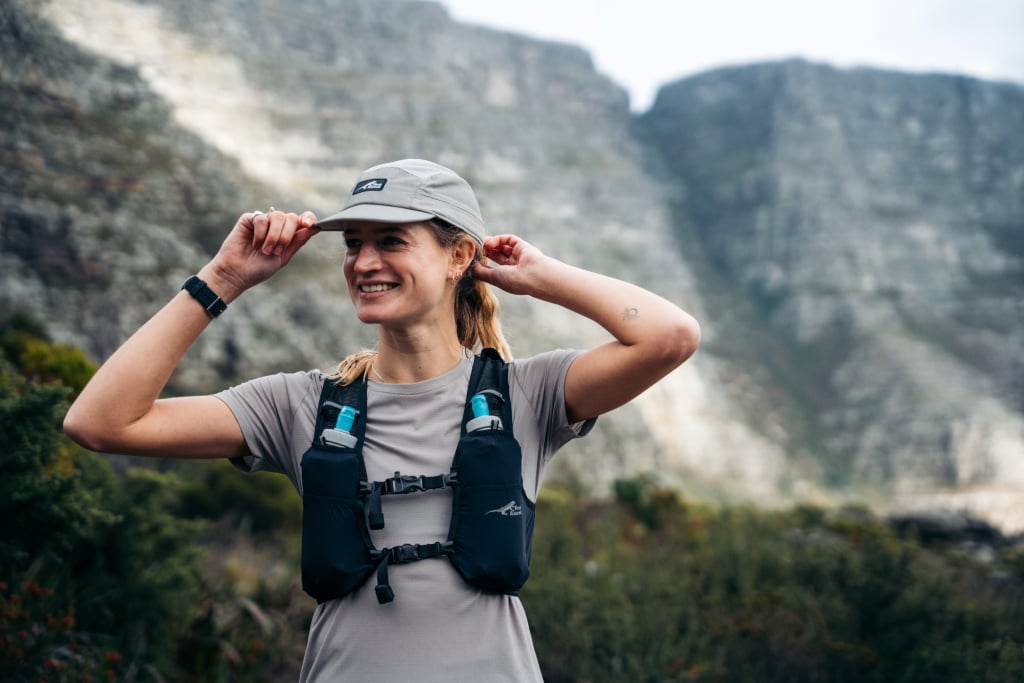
462 255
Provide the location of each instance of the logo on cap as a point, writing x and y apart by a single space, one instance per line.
371 185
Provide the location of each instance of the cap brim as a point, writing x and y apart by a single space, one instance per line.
375 213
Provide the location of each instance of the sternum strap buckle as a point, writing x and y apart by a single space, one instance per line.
403 554
399 484
409 483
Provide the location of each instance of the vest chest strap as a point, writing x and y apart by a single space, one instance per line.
409 483
399 484
403 554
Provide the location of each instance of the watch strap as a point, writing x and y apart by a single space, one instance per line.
202 293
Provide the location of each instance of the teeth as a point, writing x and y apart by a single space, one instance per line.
375 288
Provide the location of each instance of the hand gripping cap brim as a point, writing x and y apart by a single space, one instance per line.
410 191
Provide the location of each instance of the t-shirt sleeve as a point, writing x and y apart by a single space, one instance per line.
271 412
540 380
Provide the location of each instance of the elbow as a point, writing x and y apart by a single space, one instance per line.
80 430
680 341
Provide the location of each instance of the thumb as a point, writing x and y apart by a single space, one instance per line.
495 275
483 272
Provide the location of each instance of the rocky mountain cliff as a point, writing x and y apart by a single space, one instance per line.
851 241
874 223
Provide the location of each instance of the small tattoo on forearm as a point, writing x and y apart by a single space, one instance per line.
630 314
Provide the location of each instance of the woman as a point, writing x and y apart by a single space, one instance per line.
416 267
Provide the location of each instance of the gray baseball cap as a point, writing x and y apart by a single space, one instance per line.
410 191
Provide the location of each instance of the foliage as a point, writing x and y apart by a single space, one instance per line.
262 503
44 510
38 642
103 576
689 594
78 549
107 575
26 346
252 618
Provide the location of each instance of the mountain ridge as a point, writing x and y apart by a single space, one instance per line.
777 405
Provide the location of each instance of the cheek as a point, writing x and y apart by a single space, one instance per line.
346 269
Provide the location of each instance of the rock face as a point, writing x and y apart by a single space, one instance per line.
874 221
851 241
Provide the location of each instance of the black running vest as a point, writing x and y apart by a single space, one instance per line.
491 530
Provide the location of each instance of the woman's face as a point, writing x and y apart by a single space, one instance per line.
397 273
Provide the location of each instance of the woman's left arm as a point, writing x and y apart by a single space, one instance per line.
652 335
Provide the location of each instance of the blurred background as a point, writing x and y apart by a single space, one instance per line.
831 489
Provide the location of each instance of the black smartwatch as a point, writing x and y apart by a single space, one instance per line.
202 293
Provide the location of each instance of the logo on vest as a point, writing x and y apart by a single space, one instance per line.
509 509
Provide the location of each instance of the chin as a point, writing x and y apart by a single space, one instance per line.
370 317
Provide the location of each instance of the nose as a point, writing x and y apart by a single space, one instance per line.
367 259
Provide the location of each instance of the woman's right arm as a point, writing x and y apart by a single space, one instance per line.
119 410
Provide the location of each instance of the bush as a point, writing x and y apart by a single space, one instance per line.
27 348
97 574
650 588
263 503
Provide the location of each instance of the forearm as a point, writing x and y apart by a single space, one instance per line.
652 337
631 314
125 388
118 410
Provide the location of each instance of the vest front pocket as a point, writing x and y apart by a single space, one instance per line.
333 562
334 559
493 532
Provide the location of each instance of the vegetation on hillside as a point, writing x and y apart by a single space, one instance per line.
163 572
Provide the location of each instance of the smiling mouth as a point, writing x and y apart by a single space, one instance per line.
376 288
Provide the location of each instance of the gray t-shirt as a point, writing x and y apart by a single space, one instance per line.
439 628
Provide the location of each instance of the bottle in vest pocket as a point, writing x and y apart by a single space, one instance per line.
482 417
340 435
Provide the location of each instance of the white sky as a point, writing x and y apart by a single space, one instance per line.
643 44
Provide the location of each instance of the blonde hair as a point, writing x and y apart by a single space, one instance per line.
477 312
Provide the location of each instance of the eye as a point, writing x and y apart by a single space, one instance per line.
391 241
352 244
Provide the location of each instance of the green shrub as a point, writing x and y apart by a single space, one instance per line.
98 574
261 502
643 591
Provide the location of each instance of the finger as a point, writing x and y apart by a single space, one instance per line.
260 225
275 227
307 219
302 235
288 228
502 256
245 222
500 246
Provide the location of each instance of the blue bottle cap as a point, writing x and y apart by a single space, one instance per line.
480 407
346 418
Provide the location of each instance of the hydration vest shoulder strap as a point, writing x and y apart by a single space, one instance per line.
490 376
333 397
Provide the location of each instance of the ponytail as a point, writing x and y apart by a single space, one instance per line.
477 313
